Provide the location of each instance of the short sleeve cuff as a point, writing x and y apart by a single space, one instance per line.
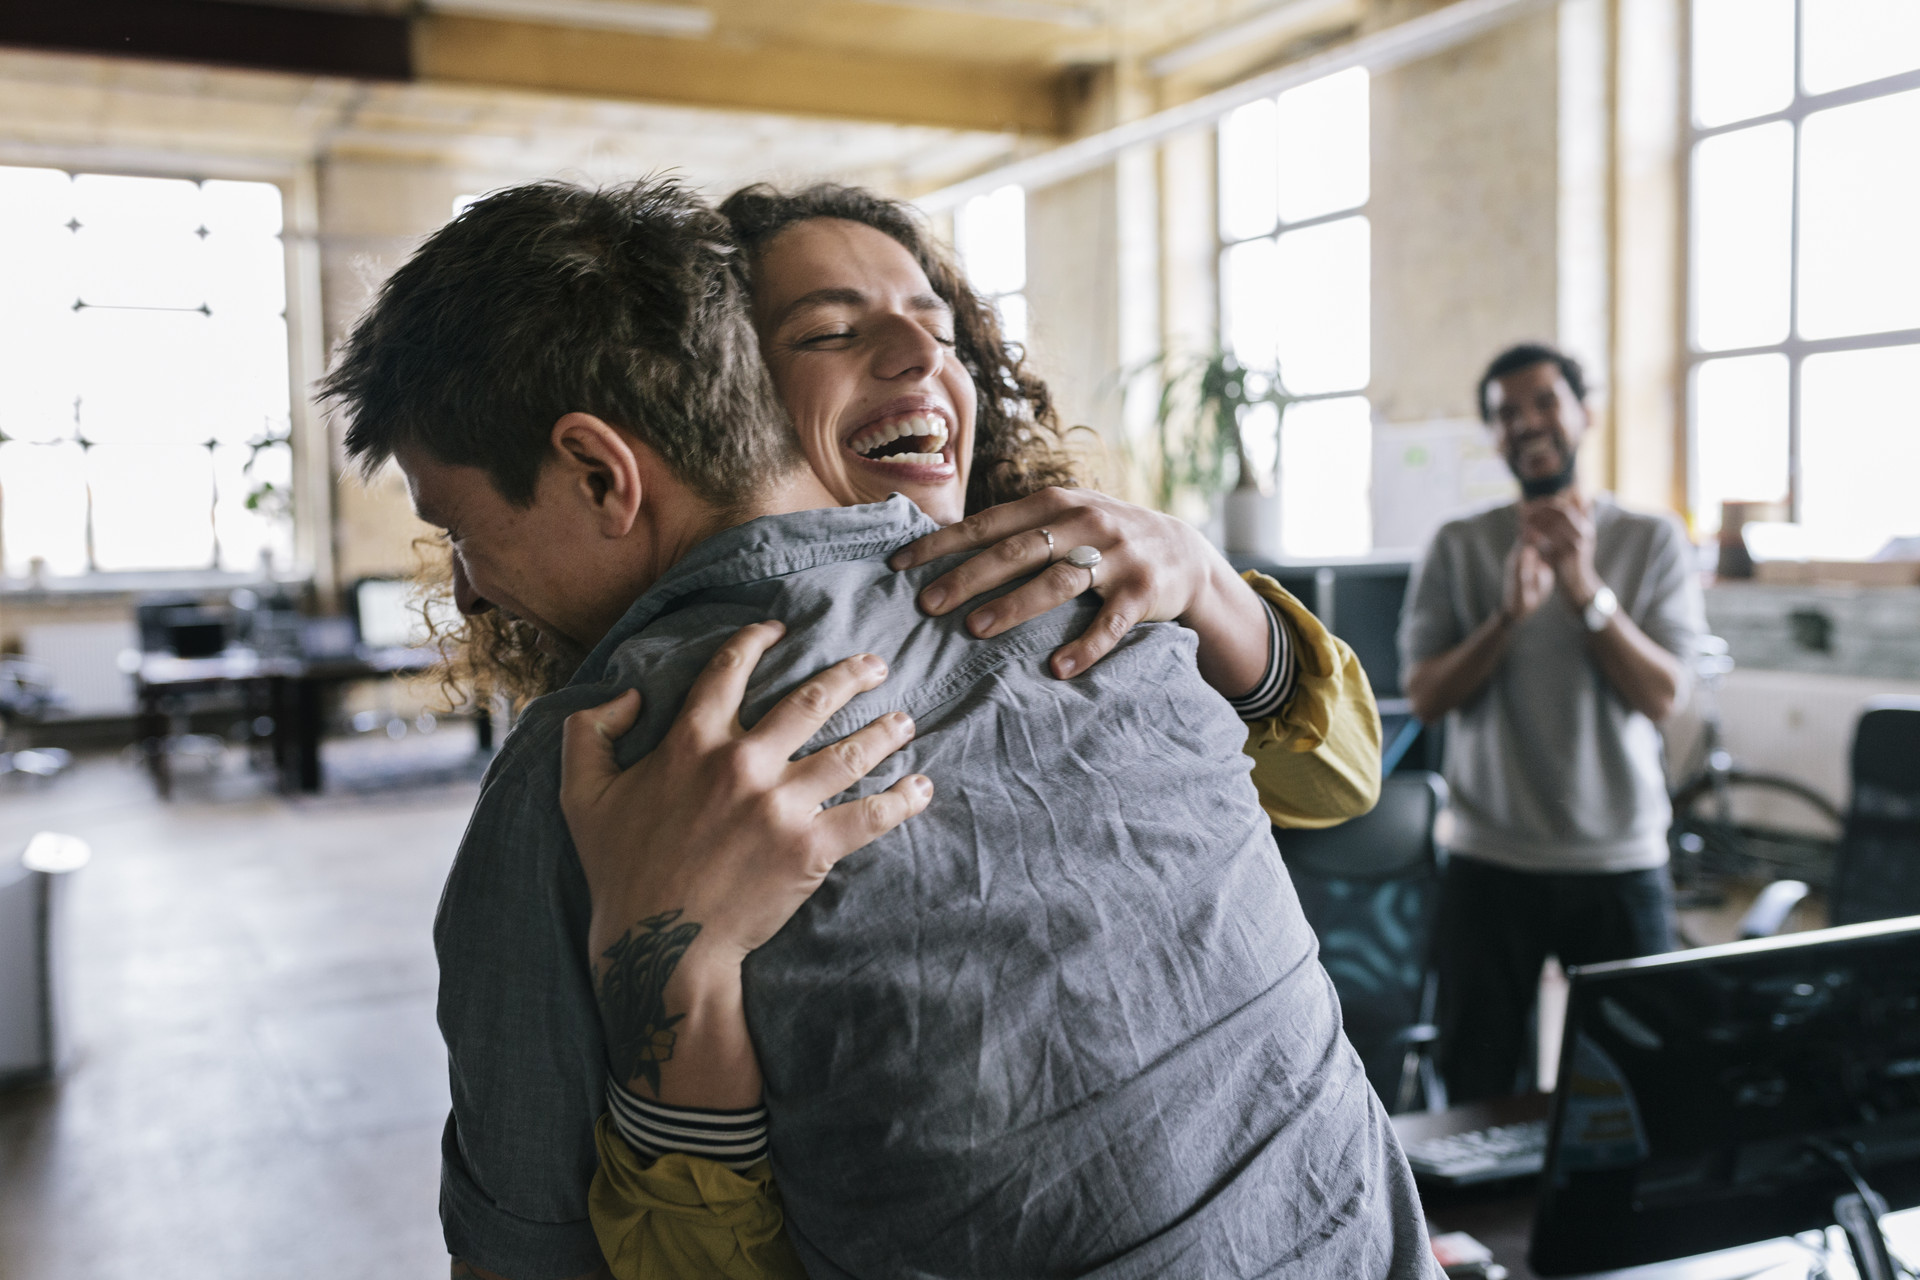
1276 686
736 1139
487 1236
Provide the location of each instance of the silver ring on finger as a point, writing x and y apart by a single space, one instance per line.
1048 535
1087 558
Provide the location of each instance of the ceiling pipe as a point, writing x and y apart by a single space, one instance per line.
639 17
1237 35
1401 43
1046 11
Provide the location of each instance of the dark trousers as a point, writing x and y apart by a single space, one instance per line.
1497 928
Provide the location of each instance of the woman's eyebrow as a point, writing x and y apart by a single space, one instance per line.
833 297
844 297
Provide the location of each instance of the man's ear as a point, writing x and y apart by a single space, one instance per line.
602 470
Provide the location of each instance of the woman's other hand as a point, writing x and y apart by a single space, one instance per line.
1153 568
701 850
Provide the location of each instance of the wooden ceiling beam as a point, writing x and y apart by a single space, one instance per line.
788 79
261 37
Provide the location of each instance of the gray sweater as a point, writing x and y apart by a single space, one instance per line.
1069 1021
1547 766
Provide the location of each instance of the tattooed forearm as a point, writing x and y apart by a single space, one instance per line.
631 987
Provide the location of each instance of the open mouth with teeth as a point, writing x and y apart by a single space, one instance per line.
914 440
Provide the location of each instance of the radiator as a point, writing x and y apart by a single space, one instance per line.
82 662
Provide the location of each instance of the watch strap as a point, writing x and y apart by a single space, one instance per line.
1600 610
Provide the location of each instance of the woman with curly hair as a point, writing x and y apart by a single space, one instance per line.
897 379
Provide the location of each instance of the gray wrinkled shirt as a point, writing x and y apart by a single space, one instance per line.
1548 768
1069 1021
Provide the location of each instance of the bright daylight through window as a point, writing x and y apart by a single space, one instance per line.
990 234
1294 280
1805 292
144 406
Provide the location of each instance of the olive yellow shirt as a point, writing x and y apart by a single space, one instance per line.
1316 764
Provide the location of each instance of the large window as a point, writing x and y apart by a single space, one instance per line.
1805 290
990 234
1295 271
144 397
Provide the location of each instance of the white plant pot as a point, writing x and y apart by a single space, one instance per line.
1253 523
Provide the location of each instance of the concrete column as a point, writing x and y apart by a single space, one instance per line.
373 214
1649 286
1585 226
1190 242
1465 210
1093 291
1073 296
313 455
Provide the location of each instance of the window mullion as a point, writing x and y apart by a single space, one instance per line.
1319 220
1794 360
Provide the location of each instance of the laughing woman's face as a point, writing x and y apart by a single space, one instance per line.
861 350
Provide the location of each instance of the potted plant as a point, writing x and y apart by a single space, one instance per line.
1199 425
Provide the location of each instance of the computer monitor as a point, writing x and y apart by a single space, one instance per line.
387 611
1693 1088
1358 600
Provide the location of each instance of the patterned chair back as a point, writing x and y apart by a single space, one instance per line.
1370 888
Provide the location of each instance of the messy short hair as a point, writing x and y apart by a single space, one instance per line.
1525 355
551 298
1018 447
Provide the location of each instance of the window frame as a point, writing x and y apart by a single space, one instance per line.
311 475
994 300
1281 227
1794 347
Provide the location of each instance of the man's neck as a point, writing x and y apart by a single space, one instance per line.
687 527
675 528
798 490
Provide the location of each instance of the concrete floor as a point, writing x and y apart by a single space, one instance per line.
258 1085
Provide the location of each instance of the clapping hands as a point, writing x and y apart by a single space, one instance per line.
1555 545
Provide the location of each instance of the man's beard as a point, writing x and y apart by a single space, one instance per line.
1548 485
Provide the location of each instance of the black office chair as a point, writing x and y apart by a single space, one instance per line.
1371 890
27 700
1876 870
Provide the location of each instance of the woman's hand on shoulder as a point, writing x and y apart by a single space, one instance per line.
1153 568
718 822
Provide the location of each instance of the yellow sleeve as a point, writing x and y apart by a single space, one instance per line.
683 1216
1316 762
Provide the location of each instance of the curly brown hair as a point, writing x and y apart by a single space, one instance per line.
1019 447
484 657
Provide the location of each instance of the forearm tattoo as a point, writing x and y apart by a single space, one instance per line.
631 987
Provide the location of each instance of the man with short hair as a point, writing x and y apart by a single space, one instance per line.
1066 1021
1553 634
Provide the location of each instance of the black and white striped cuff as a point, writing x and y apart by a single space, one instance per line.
1271 694
736 1139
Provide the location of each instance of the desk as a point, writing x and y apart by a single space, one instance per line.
1500 1215
285 689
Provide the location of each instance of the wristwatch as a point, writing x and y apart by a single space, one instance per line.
1600 610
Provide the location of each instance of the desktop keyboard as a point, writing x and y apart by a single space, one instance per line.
1484 1155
